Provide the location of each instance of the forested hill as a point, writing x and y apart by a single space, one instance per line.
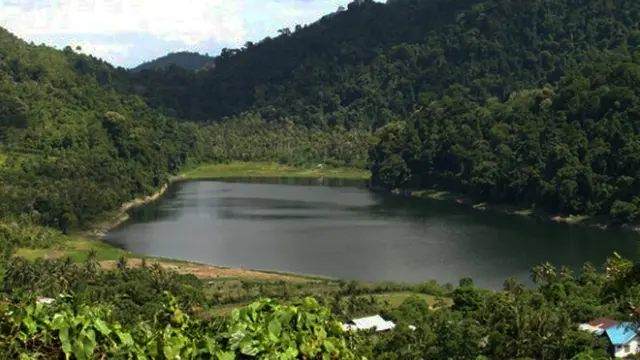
185 59
71 145
531 102
376 63
75 143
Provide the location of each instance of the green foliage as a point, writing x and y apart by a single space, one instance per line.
458 101
77 146
263 330
566 149
529 102
16 235
134 293
250 138
376 63
413 310
128 312
269 330
184 59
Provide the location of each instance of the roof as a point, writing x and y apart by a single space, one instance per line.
622 333
603 323
372 322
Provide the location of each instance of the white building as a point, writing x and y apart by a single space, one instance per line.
375 322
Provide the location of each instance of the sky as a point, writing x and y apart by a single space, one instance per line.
129 32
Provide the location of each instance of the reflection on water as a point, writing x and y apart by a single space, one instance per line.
348 232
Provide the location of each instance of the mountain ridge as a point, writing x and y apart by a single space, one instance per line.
184 59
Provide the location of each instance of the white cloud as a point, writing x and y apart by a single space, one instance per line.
126 32
186 21
106 50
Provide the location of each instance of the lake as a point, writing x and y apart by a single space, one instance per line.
350 233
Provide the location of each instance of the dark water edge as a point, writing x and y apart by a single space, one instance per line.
342 230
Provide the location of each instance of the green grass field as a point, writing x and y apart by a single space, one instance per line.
242 169
77 248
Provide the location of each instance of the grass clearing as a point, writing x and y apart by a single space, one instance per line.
77 248
245 169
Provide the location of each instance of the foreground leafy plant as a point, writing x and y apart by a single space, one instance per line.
263 330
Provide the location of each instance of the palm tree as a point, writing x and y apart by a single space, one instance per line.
537 274
549 272
513 286
565 273
122 264
91 265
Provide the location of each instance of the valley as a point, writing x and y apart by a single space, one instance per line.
522 106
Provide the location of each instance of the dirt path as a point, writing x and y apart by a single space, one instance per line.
207 271
53 255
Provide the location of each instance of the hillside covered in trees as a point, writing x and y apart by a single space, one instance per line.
73 147
184 59
525 102
376 63
75 144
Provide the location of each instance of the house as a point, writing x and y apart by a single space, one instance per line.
624 340
599 325
367 323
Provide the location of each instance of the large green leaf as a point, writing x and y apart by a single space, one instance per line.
249 347
102 327
274 329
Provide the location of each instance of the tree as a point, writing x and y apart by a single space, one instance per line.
623 212
13 112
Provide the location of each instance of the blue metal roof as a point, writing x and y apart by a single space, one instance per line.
622 333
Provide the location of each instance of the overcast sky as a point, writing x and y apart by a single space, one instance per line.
128 32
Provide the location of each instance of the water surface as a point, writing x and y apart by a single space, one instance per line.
350 233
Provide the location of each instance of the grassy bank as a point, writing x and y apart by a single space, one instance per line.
77 248
242 169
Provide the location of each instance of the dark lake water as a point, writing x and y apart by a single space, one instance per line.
350 233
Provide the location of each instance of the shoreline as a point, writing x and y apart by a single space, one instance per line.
507 209
221 171
115 218
118 217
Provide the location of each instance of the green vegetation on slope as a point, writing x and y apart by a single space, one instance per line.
376 63
184 59
529 103
75 147
568 149
249 138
